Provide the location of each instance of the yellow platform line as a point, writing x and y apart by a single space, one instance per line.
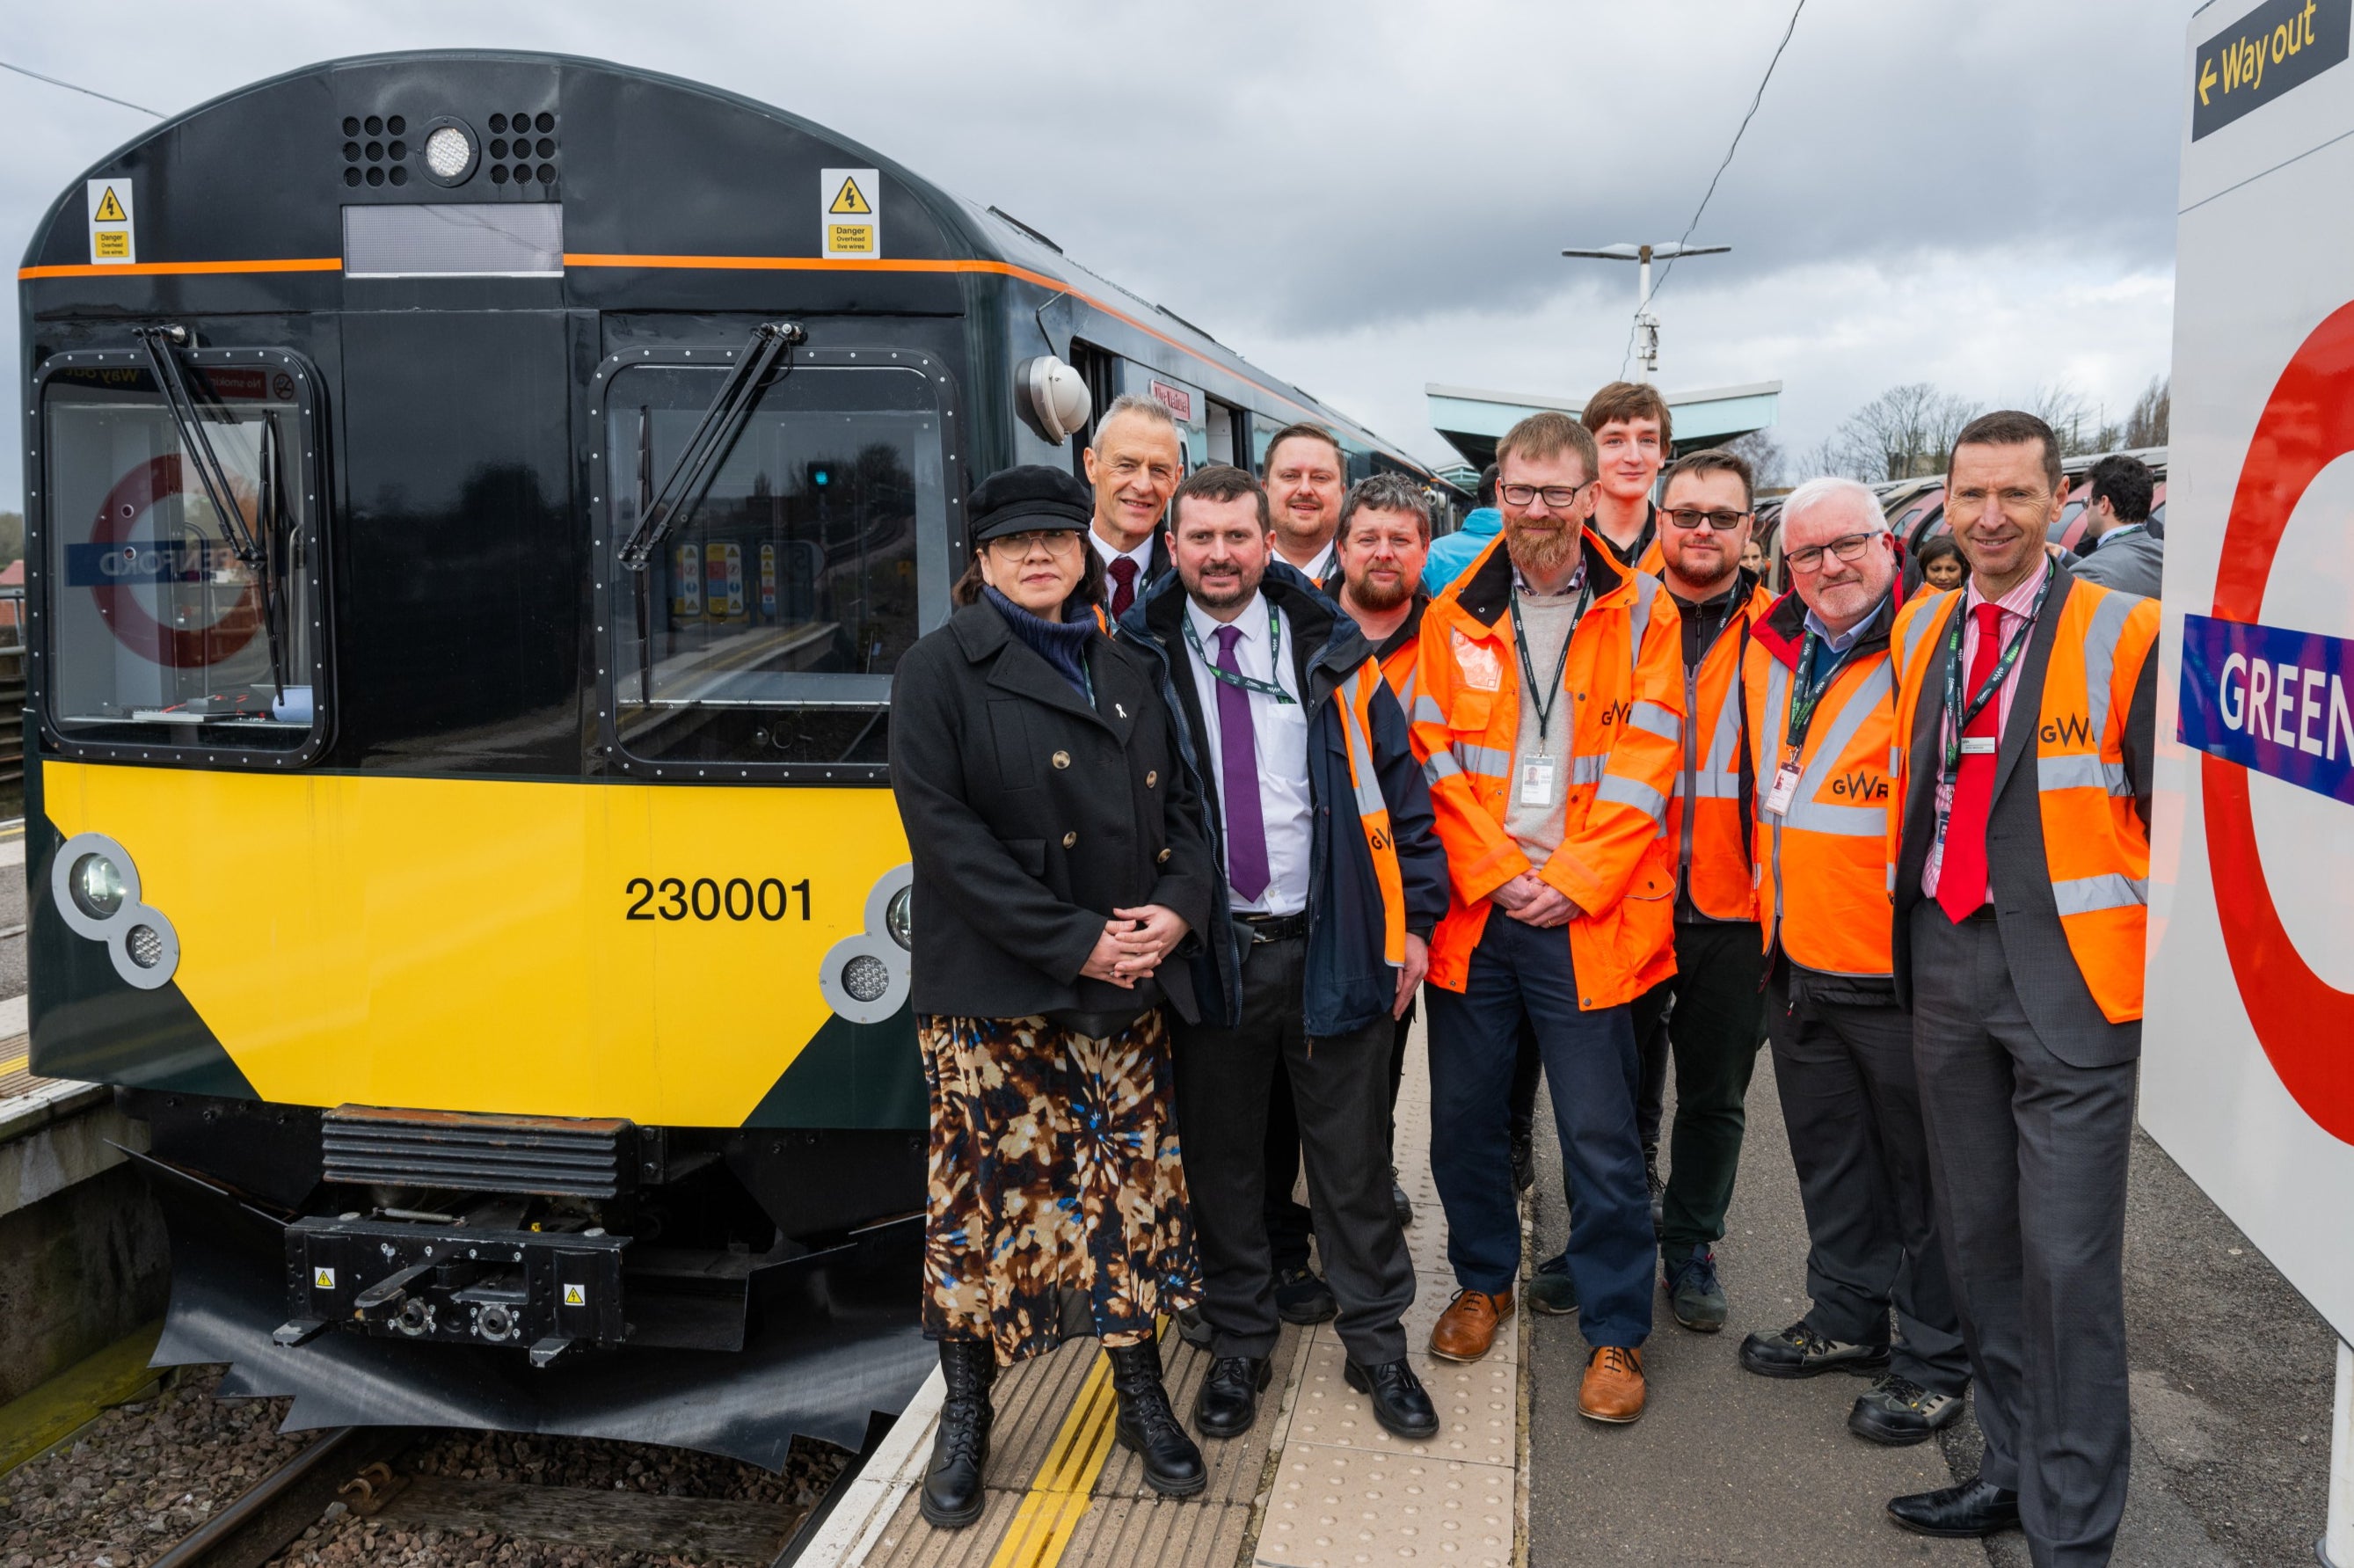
1066 1482
14 1064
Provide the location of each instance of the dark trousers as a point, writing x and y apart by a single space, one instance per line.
1519 973
1650 1015
2030 1154
1852 1107
1289 1225
1711 1033
1225 1079
1528 1072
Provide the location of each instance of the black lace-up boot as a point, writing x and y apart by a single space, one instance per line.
1172 1464
952 1496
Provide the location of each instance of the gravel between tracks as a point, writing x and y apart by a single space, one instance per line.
147 1474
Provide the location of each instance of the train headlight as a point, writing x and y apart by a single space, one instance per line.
897 919
96 885
448 151
1054 397
864 976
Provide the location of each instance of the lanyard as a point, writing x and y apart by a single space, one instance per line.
1812 687
1261 688
1528 671
1957 717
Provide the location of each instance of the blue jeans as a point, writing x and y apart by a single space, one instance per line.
1591 1068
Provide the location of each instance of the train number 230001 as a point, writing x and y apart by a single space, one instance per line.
709 899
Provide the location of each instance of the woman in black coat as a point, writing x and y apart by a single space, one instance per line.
1060 863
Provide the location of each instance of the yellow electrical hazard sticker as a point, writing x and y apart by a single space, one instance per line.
112 235
850 213
576 1295
322 1279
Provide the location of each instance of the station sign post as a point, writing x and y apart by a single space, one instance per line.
2248 1063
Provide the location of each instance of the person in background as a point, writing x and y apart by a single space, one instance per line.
1549 712
1451 556
1753 557
1046 910
1135 461
1707 1014
1307 475
1941 563
1634 433
1333 880
2119 551
1817 687
2021 916
1384 539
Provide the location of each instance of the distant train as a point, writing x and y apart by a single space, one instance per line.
476 502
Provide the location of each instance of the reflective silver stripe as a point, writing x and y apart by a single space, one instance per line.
1656 718
2082 771
1891 879
2091 895
1589 768
1851 822
1719 777
2101 657
1406 693
1640 615
1895 760
1426 710
1366 784
1488 759
1918 627
1633 792
1441 765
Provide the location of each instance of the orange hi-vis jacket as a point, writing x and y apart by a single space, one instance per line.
1822 866
1704 810
2095 844
1400 656
1623 694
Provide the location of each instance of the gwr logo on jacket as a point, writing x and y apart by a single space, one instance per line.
1623 698
1822 866
2095 844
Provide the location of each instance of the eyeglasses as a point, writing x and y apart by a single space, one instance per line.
1849 547
1056 541
1560 497
1722 522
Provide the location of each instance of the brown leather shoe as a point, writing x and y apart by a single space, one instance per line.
1468 1327
1613 1389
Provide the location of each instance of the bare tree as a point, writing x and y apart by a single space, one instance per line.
1764 455
1904 432
2152 412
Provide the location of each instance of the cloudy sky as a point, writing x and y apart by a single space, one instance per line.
1367 196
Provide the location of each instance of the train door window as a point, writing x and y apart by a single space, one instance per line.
1100 371
1222 433
774 616
173 629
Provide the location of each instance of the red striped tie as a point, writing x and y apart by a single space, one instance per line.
1962 874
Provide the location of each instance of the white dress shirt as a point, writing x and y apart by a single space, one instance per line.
1109 552
1281 731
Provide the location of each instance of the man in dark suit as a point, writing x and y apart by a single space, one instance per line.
1134 463
2021 890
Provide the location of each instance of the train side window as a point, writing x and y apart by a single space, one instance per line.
170 628
774 617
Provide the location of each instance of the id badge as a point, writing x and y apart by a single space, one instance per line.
1785 786
1537 776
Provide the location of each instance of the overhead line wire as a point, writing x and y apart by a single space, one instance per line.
85 91
1668 270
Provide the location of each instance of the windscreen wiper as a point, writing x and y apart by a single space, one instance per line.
256 554
682 490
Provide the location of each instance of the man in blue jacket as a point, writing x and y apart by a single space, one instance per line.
1333 878
1451 556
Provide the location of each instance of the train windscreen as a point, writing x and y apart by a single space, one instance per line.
170 624
773 617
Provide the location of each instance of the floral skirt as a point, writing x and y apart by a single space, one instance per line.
1057 1190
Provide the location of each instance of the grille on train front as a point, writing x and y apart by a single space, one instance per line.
539 1156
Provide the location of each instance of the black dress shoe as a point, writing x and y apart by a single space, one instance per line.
1400 1204
1148 1427
1798 1351
952 1496
1228 1401
1400 1404
1301 1297
1972 1508
1899 1412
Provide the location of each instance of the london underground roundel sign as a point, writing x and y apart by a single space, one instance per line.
2304 1025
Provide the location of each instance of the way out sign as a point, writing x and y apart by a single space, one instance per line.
850 213
112 240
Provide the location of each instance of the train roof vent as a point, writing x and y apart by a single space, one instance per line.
538 1156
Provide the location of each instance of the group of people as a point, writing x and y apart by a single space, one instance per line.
1209 775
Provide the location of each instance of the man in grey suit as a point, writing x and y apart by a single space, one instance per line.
2021 889
2119 551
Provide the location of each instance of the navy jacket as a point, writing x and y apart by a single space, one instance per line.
1350 982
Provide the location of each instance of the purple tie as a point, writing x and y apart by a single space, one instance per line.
1238 772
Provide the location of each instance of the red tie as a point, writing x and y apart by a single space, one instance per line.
1123 593
1962 874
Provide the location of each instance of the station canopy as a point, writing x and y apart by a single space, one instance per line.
1473 420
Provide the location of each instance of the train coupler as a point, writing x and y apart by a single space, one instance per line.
544 1290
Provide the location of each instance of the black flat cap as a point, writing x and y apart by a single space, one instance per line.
1032 497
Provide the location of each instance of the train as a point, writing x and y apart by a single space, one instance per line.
475 502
